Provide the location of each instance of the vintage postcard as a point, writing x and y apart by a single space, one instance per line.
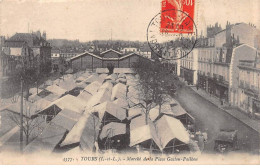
86 82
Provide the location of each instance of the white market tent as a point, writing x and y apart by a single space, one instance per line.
56 90
139 122
99 97
81 84
154 112
122 75
52 97
93 87
80 79
83 131
169 128
28 108
66 118
67 85
93 78
34 90
111 108
121 80
144 133
84 95
112 129
69 102
106 85
103 76
135 111
119 91
123 103
47 140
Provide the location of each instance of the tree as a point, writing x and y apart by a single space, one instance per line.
30 122
153 83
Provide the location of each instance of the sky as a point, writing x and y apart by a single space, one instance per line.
88 20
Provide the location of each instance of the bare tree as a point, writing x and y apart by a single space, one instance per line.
153 87
30 122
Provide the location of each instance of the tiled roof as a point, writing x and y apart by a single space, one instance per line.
31 39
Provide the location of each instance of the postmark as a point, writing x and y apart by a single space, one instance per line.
173 28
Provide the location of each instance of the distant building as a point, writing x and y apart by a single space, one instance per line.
92 61
249 86
41 49
55 53
189 66
129 49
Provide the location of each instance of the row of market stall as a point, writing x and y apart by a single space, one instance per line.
99 112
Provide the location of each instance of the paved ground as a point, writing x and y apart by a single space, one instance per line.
210 118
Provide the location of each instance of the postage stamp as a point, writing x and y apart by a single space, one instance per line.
173 26
176 16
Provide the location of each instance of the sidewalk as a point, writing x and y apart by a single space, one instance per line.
239 115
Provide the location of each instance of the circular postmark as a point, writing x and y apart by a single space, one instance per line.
172 29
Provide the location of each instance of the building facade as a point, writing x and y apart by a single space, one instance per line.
189 66
249 86
92 61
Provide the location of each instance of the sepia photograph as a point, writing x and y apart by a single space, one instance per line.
127 82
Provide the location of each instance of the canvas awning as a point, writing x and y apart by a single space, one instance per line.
144 133
119 91
66 118
93 78
83 131
99 97
107 85
34 90
84 95
139 122
155 112
122 75
169 128
110 108
93 87
47 140
135 111
123 103
69 102
56 90
29 109
112 129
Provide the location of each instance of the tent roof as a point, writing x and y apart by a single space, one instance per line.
121 75
29 109
56 90
154 112
66 118
138 122
134 111
107 85
80 79
144 133
121 80
110 108
69 102
112 129
93 78
86 125
52 97
103 76
34 90
93 87
169 128
84 95
67 84
47 140
118 91
123 103
99 97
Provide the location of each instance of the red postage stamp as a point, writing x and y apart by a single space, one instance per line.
177 16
